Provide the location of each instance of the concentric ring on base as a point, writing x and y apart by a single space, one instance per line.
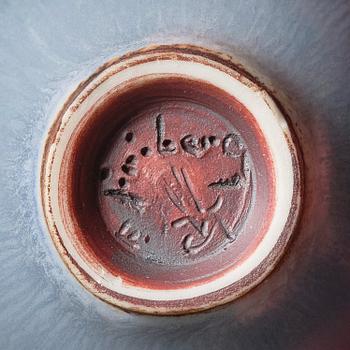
170 181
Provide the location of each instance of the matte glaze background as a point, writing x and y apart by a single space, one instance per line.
299 49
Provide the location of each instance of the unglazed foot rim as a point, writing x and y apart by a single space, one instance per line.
177 228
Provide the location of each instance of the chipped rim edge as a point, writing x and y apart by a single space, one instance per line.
175 53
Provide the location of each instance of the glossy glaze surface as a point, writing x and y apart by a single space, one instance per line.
126 245
144 189
299 49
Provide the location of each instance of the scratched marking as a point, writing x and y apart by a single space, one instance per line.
164 145
232 146
128 236
127 199
229 183
198 146
198 221
201 222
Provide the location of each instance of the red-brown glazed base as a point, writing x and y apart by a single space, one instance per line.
167 182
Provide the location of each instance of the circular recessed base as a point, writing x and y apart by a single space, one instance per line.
170 182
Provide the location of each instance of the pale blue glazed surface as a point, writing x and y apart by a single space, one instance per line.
299 48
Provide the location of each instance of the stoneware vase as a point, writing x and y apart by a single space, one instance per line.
175 174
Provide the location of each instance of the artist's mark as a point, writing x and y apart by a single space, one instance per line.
183 197
129 236
164 145
198 221
232 182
